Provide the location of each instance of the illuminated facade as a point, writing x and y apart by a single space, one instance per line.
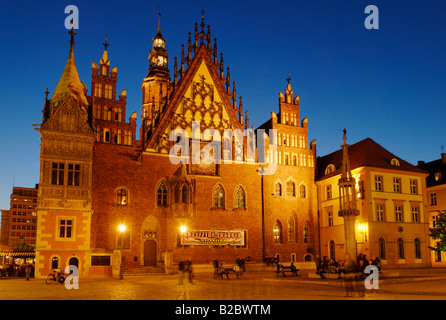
436 200
97 175
390 195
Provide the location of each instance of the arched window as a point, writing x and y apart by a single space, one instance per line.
278 189
184 194
277 233
219 197
55 263
290 189
330 169
382 248
162 194
291 230
395 162
302 192
306 233
417 244
240 198
122 196
332 249
400 243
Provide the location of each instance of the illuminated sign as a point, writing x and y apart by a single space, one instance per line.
214 237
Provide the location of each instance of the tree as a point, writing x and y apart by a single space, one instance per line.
439 232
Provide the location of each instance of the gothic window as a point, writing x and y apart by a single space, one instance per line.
108 91
302 192
306 233
278 189
277 233
240 198
122 196
219 197
161 194
290 189
291 230
184 194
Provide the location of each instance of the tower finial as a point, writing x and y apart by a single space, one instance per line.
288 79
72 33
202 15
106 44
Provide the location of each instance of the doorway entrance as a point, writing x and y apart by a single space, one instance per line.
150 253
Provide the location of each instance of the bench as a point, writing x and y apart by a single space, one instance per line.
282 269
226 272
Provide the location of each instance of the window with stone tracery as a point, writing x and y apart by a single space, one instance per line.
240 198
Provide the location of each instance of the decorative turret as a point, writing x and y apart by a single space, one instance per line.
158 57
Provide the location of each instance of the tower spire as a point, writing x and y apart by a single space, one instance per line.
158 56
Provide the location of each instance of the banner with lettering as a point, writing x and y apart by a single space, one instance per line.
214 237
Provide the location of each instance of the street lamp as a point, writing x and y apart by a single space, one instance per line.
183 231
121 230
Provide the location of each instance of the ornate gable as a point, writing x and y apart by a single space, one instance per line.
200 95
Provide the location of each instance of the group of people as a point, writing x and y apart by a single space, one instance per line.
16 270
338 267
220 270
185 267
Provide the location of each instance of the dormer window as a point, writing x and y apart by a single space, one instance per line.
395 162
330 169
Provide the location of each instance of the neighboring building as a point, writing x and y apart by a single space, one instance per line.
21 219
96 175
390 195
436 199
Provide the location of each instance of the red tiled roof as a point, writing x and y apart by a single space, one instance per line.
365 153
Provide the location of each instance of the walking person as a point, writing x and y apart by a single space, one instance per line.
189 269
181 272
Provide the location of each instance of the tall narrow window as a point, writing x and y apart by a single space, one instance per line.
240 198
433 198
400 243
415 214
306 233
382 248
397 185
302 192
162 194
74 171
219 197
57 173
329 192
413 187
278 189
277 233
330 218
184 195
417 245
378 183
398 213
290 189
332 249
291 228
379 212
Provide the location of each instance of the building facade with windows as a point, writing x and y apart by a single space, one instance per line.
98 174
436 200
21 219
390 195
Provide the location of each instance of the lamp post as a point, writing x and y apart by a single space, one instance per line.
121 230
182 230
